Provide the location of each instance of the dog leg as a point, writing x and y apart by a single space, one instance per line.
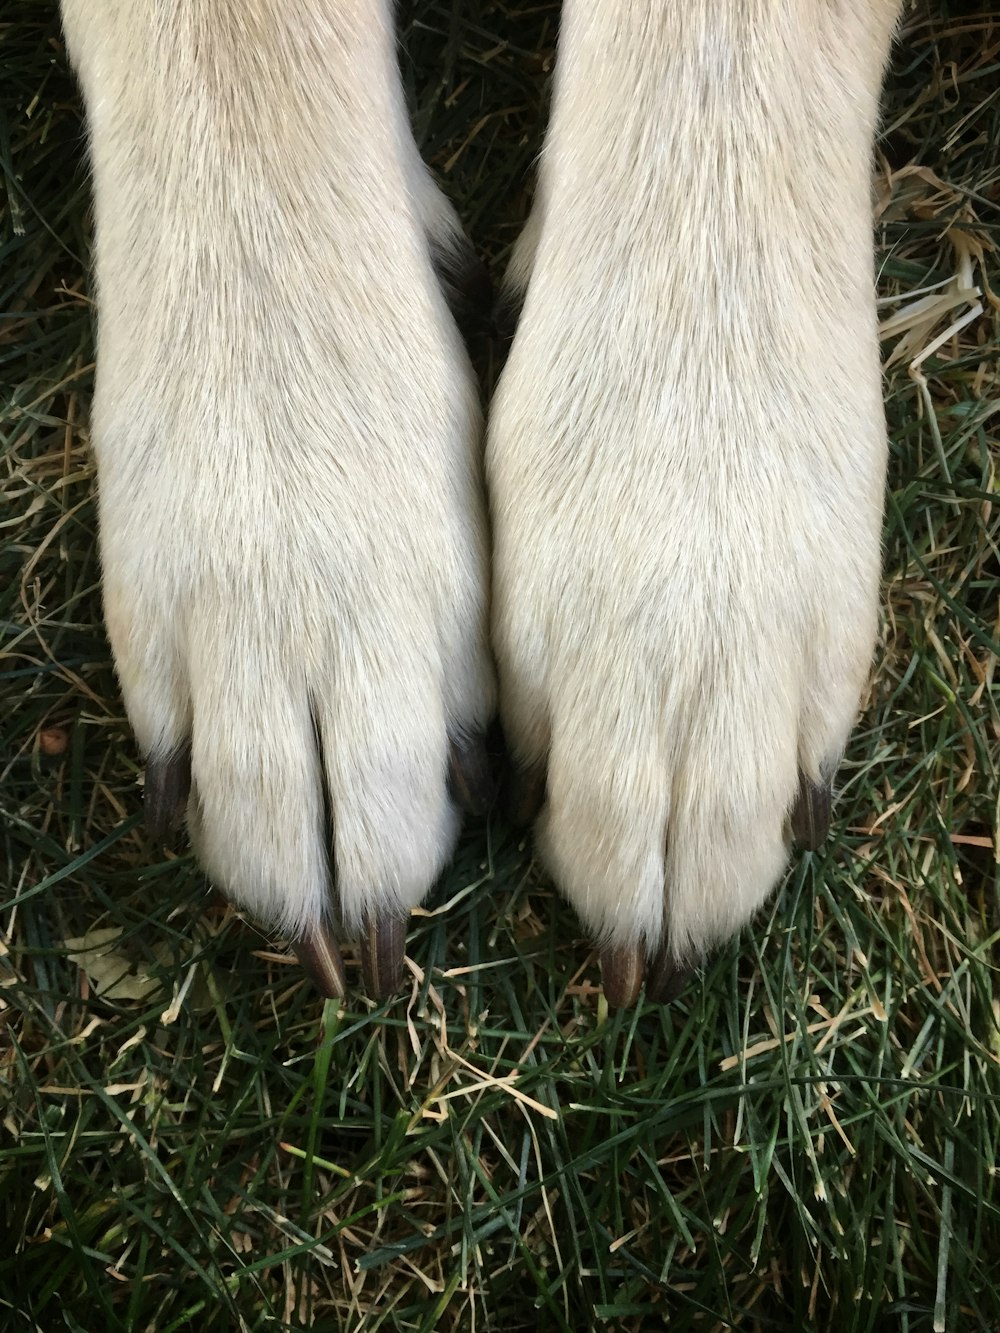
686 459
287 436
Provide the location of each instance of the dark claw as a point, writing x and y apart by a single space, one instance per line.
811 816
622 968
667 978
322 963
470 780
168 785
524 794
382 944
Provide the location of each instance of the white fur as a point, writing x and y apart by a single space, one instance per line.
287 435
686 451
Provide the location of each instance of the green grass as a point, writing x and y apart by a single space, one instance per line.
807 1138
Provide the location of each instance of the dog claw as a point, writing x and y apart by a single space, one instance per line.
321 961
811 815
168 785
622 970
382 944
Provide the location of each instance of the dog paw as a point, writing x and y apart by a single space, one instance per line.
685 465
288 443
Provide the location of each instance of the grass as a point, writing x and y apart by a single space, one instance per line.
807 1138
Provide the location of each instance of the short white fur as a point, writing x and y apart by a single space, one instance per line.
686 452
288 442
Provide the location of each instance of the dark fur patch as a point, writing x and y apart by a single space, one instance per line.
468 289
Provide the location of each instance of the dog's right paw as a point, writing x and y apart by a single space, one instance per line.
686 463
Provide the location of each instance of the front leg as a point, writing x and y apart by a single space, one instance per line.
686 459
287 434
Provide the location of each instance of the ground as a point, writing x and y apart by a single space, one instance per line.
806 1138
